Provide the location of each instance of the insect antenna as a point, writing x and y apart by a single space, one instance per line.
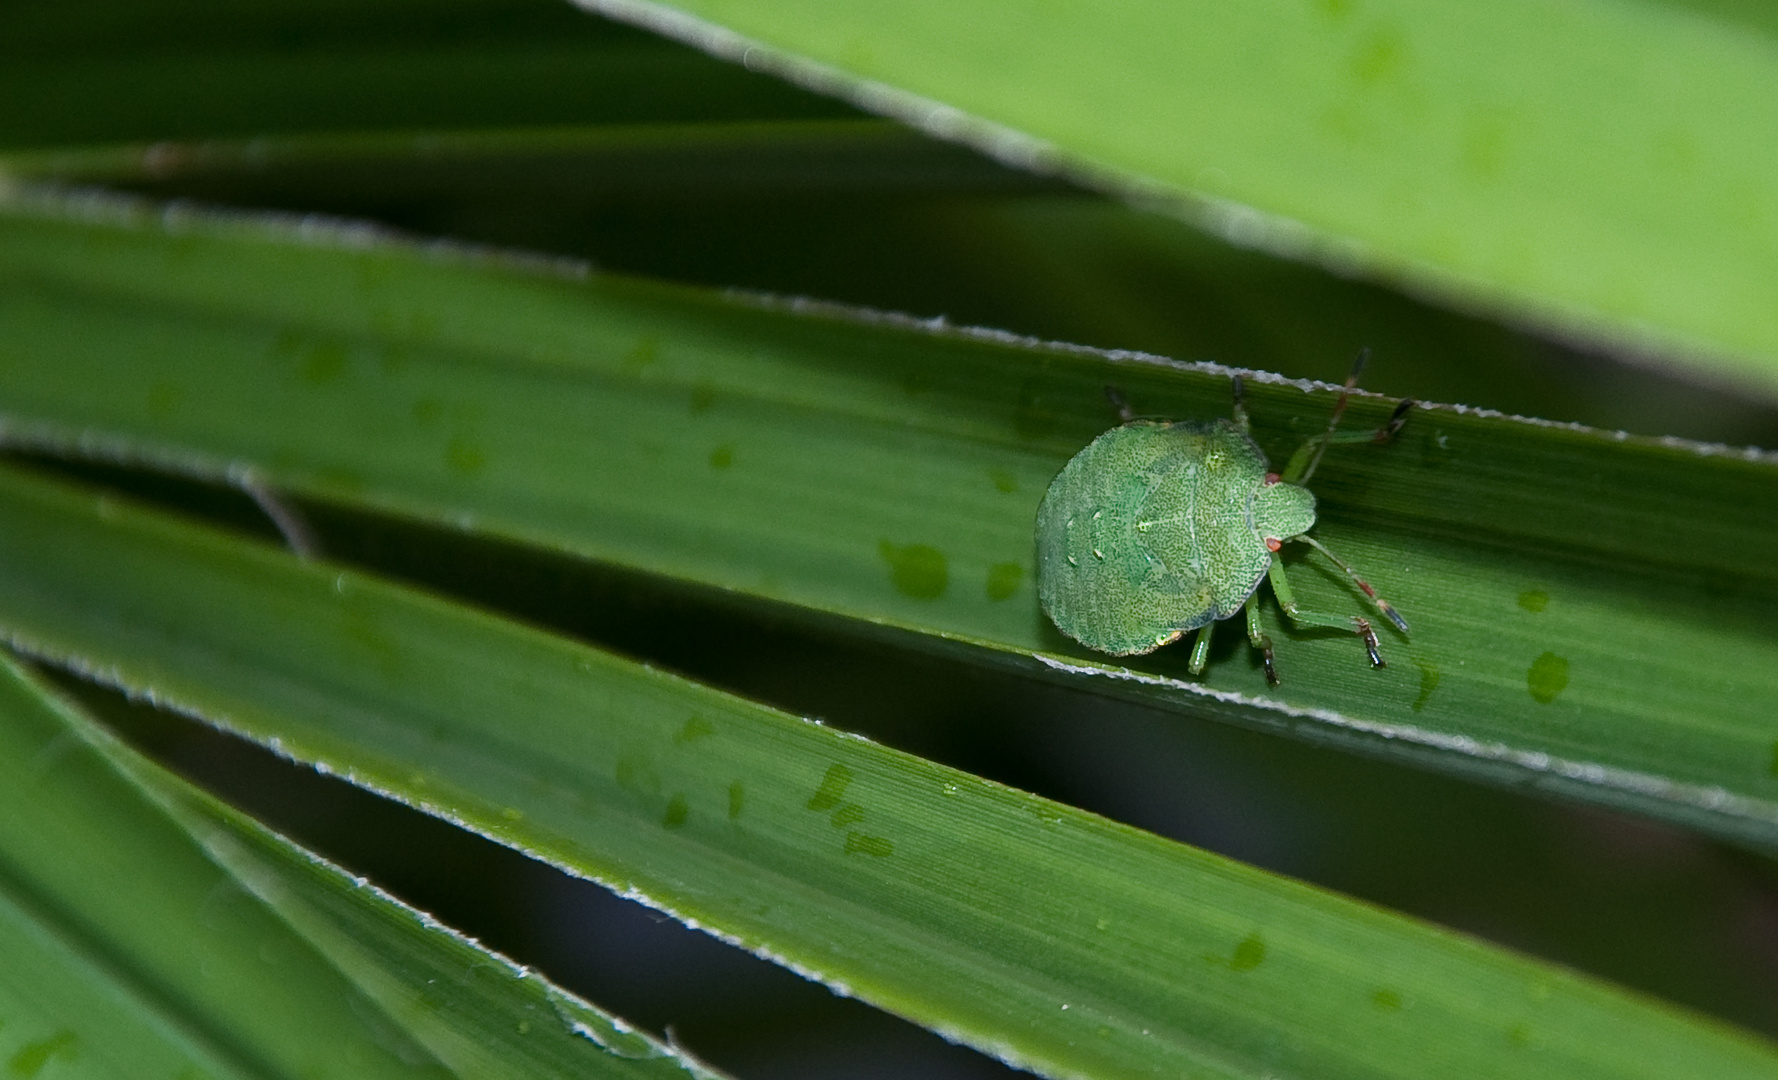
1339 410
1383 605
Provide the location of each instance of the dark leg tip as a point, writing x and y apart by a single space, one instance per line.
1396 419
1369 637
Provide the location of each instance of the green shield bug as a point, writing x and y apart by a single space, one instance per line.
1158 528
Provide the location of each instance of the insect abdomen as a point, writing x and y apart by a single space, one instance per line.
1101 576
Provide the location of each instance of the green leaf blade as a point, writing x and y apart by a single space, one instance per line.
115 882
890 472
962 904
1583 166
147 929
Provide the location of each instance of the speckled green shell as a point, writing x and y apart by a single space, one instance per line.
1149 532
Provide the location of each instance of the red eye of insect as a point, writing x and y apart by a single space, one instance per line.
1272 478
1273 543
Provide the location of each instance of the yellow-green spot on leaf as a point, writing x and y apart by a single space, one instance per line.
1428 682
723 456
832 790
1249 954
33 1056
860 844
645 352
163 398
849 814
1381 55
324 362
702 397
1547 678
1003 480
350 480
1387 1000
856 53
1534 599
737 799
677 810
513 813
915 570
693 730
428 410
464 456
1004 579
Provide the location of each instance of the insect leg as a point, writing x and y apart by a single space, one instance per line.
1201 650
1379 435
1392 426
1354 623
1241 420
1303 463
1256 634
1364 586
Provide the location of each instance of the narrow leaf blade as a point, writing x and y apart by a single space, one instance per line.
823 458
1042 934
1599 167
149 930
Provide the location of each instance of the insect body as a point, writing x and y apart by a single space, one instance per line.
1158 528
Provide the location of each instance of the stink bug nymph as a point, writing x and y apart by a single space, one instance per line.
1158 528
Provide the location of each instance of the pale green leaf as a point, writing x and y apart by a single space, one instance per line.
1604 167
